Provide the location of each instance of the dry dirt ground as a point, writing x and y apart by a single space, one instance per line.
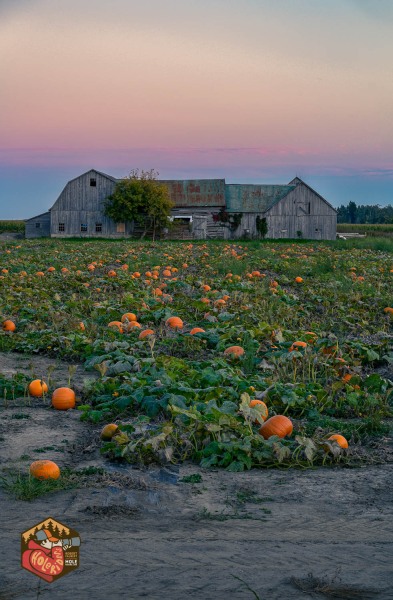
147 534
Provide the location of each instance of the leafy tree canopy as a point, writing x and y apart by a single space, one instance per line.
140 198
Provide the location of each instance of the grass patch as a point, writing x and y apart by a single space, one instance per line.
194 478
12 226
25 487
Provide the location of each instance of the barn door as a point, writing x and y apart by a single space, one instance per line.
199 227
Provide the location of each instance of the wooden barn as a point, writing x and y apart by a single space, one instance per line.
203 209
291 211
38 226
196 202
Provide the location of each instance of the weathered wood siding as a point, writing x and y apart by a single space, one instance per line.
80 203
305 211
289 209
301 210
203 225
38 226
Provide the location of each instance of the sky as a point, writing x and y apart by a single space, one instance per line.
256 91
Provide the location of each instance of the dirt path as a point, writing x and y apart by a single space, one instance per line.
164 542
147 534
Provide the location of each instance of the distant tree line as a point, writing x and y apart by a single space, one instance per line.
364 213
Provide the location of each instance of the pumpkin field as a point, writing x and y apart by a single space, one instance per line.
206 359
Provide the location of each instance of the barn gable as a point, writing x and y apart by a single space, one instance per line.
297 181
79 210
302 213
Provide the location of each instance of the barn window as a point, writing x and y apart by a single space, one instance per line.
93 182
98 227
61 226
83 227
37 225
121 228
309 208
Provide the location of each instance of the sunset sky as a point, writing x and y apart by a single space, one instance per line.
250 90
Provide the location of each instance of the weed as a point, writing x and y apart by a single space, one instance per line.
193 478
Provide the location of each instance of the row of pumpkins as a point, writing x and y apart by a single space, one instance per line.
64 398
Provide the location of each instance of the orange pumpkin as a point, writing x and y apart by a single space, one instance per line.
340 439
297 345
37 388
145 333
109 431
128 317
219 303
63 398
174 323
8 325
112 273
117 324
167 273
128 326
234 352
262 408
299 279
197 330
278 425
44 469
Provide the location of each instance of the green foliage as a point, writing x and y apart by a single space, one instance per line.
178 396
12 226
142 199
369 213
231 220
261 225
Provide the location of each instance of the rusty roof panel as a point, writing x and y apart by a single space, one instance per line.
196 192
254 198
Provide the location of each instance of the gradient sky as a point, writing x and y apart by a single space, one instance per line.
249 90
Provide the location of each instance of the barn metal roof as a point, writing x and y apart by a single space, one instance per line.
38 216
196 192
254 198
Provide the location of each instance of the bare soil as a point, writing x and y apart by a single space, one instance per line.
323 533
